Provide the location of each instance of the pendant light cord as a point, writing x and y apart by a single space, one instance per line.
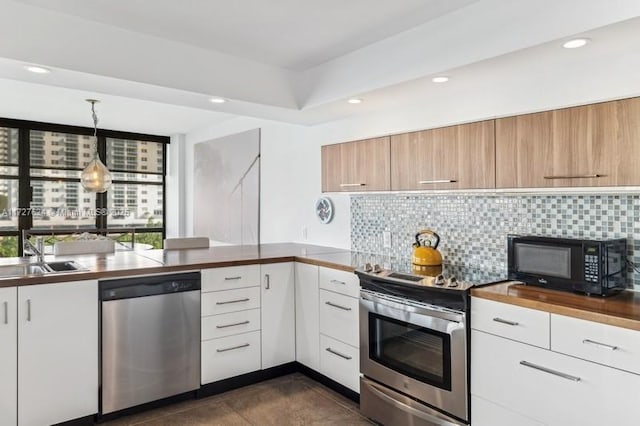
95 127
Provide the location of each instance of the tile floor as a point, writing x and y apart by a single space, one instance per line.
289 400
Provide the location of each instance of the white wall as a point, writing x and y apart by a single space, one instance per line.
290 183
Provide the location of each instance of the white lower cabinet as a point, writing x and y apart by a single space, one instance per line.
230 356
307 316
278 314
340 362
8 356
548 387
57 352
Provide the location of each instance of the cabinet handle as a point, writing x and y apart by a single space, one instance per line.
338 282
233 348
233 301
337 306
601 345
232 278
550 371
349 185
29 310
267 281
574 176
428 182
232 325
6 312
347 357
504 321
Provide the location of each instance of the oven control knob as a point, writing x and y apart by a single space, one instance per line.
377 269
452 282
368 267
439 280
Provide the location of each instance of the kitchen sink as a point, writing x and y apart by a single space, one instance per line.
18 270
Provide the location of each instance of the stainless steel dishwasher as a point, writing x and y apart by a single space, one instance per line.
150 339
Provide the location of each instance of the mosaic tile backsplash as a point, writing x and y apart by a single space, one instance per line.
474 228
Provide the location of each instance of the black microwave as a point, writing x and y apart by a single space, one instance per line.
586 266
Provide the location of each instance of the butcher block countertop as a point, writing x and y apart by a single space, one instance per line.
621 310
130 263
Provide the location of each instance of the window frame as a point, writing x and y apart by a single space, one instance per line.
24 177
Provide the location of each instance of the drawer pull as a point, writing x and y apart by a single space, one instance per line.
232 325
344 308
232 348
600 345
232 278
550 371
233 301
593 176
504 321
6 312
347 357
29 310
428 182
338 282
348 185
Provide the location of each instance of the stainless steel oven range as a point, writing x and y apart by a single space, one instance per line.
414 348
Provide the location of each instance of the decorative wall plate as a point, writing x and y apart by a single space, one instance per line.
324 209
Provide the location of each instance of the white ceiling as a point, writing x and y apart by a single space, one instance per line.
158 62
293 34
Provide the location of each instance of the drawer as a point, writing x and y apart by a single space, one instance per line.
513 322
222 302
230 356
222 325
339 281
339 317
232 277
549 387
340 362
605 344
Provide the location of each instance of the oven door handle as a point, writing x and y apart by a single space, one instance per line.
421 414
420 310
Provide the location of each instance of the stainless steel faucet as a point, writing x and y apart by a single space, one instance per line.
33 250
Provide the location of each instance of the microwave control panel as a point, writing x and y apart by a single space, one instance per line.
591 264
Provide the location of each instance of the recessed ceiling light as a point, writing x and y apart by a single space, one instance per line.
37 69
440 79
218 100
355 101
575 43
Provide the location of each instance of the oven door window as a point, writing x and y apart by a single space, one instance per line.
420 353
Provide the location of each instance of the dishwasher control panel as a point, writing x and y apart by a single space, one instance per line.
149 286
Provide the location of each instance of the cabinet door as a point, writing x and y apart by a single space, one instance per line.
356 166
8 356
278 315
591 145
455 157
307 315
57 352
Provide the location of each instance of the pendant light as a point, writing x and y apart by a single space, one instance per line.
95 177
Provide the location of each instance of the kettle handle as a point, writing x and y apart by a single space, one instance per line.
429 232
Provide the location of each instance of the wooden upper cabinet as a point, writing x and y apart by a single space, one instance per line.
591 145
356 166
456 157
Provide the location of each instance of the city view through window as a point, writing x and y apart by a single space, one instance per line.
40 187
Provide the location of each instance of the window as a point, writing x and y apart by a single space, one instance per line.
40 189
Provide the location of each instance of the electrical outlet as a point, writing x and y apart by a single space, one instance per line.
386 239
